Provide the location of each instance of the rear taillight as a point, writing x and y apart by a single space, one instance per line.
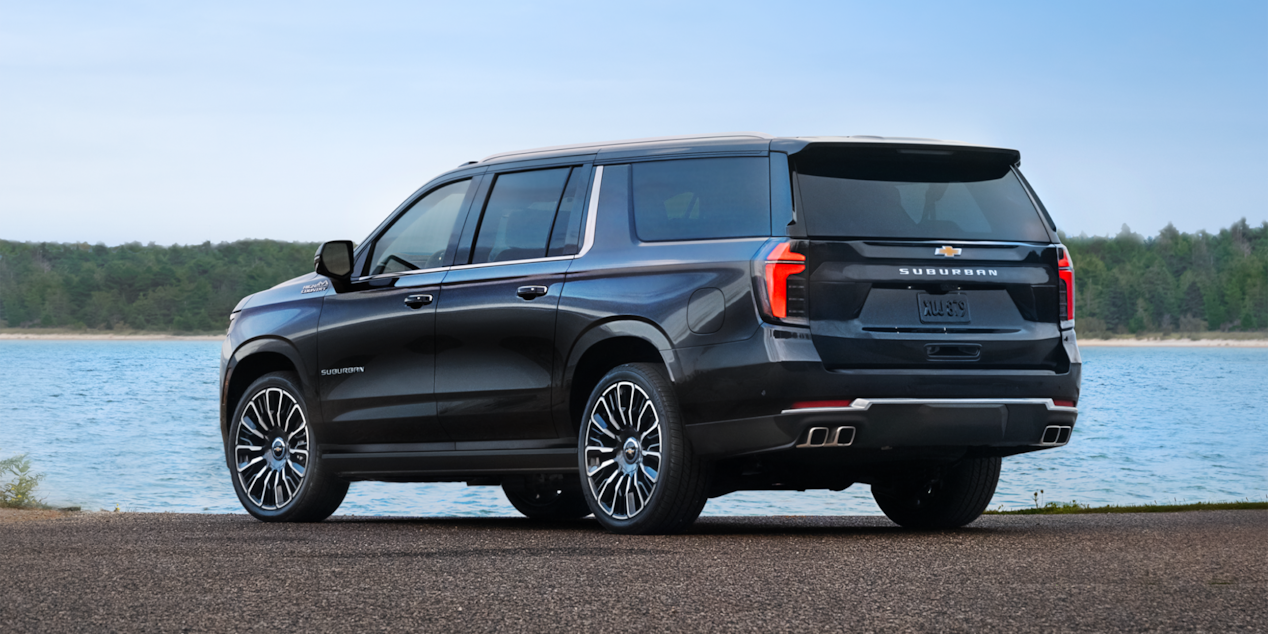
780 268
1065 269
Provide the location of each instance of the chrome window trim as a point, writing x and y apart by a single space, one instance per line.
864 404
592 212
382 276
553 258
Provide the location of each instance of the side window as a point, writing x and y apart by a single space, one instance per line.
520 215
420 238
565 238
695 199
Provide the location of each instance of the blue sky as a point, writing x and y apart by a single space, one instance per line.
180 123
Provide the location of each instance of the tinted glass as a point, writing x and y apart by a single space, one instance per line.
519 216
939 196
565 237
697 199
422 235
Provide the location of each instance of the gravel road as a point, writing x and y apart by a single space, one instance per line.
1203 571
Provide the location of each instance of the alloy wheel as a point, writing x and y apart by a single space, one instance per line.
271 448
623 450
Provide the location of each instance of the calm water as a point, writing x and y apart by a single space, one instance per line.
133 424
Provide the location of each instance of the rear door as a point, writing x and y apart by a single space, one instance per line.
495 323
925 257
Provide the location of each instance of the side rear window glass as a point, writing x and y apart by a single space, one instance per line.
565 237
694 199
420 238
519 216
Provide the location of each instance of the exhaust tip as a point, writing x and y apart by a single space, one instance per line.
825 437
1054 435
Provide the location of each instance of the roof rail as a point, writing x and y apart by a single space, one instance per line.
583 146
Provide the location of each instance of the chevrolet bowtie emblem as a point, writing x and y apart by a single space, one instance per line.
947 251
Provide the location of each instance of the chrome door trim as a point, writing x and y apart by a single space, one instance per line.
592 213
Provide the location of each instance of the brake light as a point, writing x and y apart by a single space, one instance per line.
1065 270
816 404
781 283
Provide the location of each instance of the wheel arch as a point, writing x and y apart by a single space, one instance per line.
253 360
607 346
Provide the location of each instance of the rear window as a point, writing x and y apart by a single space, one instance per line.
912 193
698 199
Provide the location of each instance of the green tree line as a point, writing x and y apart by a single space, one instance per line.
139 287
1128 283
1173 281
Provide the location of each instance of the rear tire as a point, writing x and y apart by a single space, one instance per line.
546 498
946 497
272 453
638 472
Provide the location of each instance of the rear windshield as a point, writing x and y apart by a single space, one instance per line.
911 193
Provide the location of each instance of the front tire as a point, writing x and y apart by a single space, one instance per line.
639 474
945 497
272 454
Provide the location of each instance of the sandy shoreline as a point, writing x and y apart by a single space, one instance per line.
1174 343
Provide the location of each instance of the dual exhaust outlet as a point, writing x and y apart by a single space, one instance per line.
828 437
1056 435
844 436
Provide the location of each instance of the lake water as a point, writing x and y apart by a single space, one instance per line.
133 425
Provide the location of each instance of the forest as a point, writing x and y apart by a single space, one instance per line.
1171 282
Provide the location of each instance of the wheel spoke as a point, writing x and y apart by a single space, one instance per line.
242 466
253 424
603 465
601 426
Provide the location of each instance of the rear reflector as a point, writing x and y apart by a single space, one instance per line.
810 404
1060 403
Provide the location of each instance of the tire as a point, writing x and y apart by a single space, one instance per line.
638 472
546 498
946 497
276 470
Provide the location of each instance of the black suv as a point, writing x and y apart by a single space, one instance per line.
627 329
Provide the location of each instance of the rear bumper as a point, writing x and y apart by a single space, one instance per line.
1008 425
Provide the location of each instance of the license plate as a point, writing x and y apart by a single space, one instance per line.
952 308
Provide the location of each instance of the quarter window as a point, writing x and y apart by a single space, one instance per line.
695 199
421 237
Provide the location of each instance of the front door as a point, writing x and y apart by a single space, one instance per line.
376 340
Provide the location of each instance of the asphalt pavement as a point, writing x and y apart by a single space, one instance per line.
1200 571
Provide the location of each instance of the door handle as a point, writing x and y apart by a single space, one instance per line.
531 292
417 301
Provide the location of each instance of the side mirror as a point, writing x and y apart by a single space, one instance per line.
334 260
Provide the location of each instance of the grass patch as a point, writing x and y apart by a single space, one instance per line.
17 484
1071 508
